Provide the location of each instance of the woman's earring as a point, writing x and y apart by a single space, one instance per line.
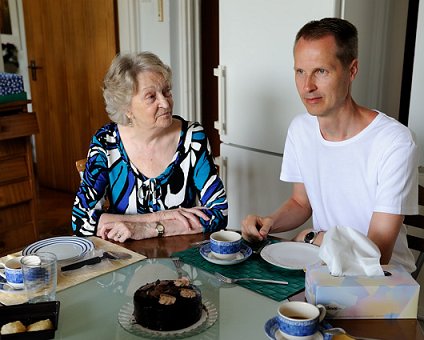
130 122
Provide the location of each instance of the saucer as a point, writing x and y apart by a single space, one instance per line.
245 252
4 287
273 332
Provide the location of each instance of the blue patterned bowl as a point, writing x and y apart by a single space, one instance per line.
225 244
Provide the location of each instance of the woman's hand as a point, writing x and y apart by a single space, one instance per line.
189 218
176 222
117 231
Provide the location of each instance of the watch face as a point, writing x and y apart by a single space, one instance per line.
309 237
160 229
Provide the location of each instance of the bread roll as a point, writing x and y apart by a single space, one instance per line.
12 328
40 326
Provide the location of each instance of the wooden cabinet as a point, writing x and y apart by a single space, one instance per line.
18 222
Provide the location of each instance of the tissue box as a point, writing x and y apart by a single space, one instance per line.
364 297
11 83
11 87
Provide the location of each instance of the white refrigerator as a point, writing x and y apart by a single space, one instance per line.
257 94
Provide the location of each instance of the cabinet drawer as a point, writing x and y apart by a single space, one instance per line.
18 125
13 168
15 215
13 147
14 239
15 193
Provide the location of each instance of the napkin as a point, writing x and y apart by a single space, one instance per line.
347 252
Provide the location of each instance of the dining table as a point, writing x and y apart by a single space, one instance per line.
390 329
101 307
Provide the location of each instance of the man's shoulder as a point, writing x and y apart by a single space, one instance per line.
390 128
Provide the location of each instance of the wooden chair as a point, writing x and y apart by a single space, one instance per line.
416 242
80 165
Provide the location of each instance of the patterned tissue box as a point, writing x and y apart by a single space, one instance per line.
11 83
364 297
11 88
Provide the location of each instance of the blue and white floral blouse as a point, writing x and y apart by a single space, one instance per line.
190 178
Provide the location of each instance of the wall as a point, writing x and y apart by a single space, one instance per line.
171 34
416 114
383 27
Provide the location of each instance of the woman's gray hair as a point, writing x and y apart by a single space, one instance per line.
120 83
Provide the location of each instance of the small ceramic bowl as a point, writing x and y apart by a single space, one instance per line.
225 245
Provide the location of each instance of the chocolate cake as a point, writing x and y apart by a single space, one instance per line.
167 305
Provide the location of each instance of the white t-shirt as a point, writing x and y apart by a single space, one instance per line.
376 170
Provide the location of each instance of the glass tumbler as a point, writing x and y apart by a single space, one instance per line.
40 276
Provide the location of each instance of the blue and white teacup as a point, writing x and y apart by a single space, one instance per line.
13 272
225 244
299 320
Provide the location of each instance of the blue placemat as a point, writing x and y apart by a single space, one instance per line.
256 267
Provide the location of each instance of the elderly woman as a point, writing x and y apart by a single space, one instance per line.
155 170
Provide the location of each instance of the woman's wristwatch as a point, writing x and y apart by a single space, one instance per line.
311 236
160 229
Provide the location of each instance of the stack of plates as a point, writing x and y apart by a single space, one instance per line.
66 248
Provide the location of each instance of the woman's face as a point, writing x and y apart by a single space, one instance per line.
152 105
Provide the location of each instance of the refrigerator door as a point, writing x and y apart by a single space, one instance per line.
252 182
258 96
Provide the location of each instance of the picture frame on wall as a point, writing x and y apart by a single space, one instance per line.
10 24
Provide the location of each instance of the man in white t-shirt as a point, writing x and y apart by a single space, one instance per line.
350 166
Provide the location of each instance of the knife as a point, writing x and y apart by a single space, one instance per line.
112 255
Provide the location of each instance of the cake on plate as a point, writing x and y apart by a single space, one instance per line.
167 305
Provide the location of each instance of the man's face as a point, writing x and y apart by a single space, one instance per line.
322 81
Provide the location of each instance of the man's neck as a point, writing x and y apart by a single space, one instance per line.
346 124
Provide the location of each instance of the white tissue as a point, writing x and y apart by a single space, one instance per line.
347 252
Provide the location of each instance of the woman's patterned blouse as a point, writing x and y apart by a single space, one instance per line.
191 179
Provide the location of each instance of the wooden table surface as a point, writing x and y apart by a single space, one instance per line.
390 329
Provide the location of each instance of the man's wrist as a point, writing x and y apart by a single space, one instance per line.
311 236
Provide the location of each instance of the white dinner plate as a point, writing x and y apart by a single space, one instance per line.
64 247
242 255
291 255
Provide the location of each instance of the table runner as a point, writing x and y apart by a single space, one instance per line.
74 277
256 267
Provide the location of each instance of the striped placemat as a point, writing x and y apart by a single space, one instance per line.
74 277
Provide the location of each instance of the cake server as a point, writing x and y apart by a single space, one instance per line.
112 255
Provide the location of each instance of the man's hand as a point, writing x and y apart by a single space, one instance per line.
256 228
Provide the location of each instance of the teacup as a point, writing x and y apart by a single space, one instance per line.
13 272
299 320
225 244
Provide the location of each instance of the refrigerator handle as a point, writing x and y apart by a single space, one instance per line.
220 123
221 162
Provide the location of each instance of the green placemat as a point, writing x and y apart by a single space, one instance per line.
256 267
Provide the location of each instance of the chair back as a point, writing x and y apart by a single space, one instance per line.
80 165
416 242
